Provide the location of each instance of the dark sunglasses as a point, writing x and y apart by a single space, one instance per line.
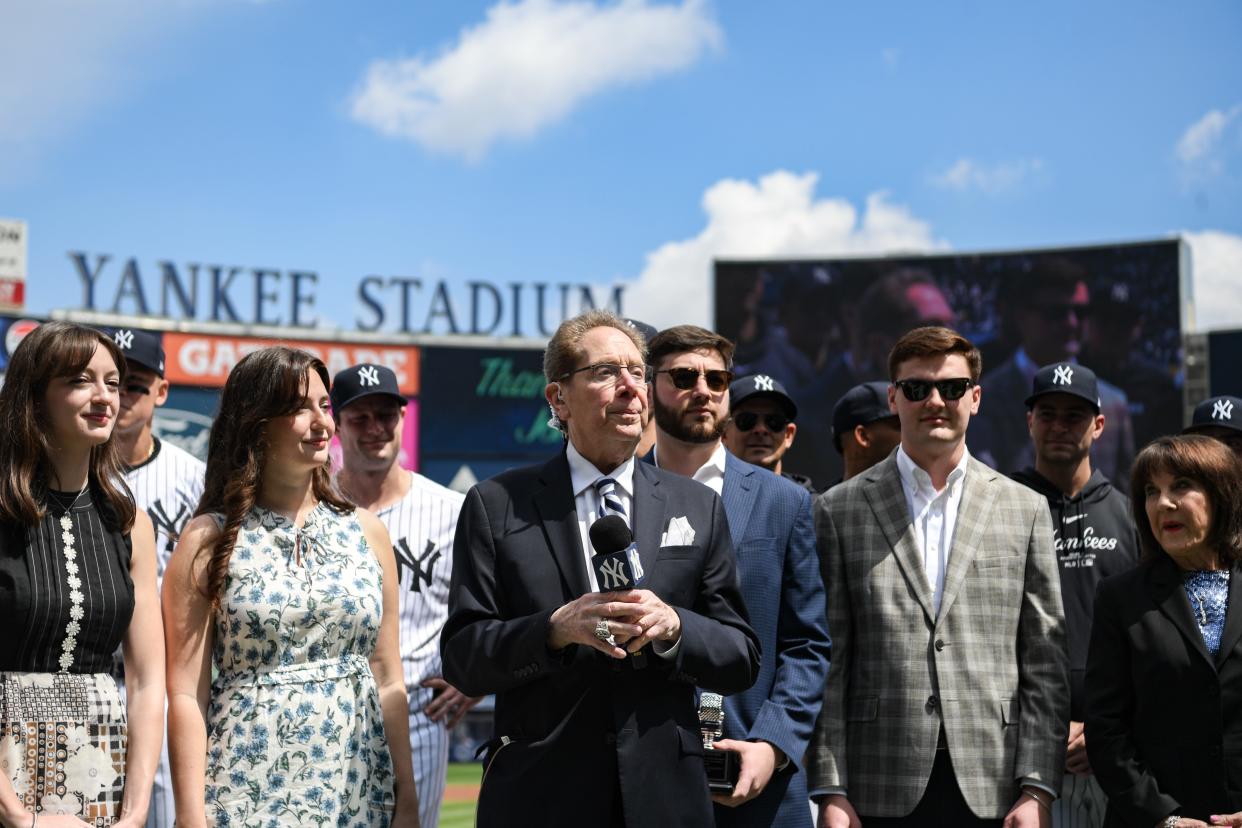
686 378
135 388
747 420
917 390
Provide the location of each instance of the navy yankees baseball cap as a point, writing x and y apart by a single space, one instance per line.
761 385
364 380
861 405
1223 412
1066 378
142 348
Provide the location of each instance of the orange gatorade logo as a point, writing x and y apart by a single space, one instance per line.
205 360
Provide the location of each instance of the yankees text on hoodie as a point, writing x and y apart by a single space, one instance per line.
1095 537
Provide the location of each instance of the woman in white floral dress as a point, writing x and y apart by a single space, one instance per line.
291 593
77 578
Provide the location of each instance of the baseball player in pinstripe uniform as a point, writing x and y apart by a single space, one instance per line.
421 517
166 483
947 701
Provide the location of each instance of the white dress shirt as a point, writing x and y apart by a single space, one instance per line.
934 514
710 474
582 477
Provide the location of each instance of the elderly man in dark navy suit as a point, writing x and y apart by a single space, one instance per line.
596 721
769 517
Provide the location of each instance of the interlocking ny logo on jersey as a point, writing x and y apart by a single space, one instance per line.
171 526
1222 410
763 383
124 339
1062 375
368 375
420 566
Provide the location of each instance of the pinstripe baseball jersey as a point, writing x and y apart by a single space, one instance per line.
167 485
421 526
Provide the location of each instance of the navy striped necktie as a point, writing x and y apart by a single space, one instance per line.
609 502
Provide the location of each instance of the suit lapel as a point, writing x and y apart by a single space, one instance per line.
1165 584
649 517
555 505
888 502
1233 618
738 494
973 512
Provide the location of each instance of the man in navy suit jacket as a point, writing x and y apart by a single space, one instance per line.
774 539
585 734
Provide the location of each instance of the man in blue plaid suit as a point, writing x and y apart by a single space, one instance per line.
948 695
769 519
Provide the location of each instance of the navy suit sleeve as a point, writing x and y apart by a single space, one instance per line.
482 651
787 718
718 651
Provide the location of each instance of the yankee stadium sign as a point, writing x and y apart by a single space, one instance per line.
267 296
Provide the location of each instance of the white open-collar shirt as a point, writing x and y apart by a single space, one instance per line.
934 514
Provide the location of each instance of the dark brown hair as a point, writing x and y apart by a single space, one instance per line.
1209 463
933 341
565 347
264 385
682 338
51 351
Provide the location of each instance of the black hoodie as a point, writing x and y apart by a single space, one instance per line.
1095 537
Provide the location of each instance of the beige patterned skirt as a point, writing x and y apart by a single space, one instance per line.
62 743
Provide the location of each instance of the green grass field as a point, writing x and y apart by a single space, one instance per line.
460 814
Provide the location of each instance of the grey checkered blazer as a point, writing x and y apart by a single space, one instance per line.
992 666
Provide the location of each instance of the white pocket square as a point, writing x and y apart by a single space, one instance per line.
679 533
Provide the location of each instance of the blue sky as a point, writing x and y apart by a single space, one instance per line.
606 142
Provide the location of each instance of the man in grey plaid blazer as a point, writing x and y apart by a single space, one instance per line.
948 693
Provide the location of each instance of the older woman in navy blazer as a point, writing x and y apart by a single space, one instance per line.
1164 670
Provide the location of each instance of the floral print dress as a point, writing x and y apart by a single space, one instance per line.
295 733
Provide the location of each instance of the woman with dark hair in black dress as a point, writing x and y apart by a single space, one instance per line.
77 579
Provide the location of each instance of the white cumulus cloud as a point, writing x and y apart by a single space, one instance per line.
967 174
780 217
1216 262
527 65
1199 150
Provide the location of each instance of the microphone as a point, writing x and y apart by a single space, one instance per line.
616 563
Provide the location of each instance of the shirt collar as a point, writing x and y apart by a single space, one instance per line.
583 474
715 464
916 479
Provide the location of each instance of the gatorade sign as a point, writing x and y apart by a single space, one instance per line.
205 360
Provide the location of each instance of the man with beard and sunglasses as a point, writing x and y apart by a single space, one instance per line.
761 425
947 701
166 483
769 519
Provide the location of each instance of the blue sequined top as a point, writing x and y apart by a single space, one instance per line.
1208 591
